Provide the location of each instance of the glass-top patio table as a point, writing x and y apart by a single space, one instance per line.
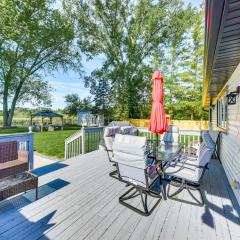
164 154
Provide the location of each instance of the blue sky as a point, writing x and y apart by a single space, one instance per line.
70 82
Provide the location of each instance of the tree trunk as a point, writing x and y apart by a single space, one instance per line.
5 111
13 105
5 101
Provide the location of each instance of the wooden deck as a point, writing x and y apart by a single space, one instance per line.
78 200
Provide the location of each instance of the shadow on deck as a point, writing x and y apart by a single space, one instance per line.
80 201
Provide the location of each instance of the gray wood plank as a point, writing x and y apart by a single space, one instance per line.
88 208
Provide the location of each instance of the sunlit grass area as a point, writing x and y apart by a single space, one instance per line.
51 143
47 143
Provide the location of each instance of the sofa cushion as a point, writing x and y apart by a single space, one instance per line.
8 151
13 167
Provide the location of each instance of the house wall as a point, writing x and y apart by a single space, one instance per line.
230 140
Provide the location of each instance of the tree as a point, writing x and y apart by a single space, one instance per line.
193 69
127 34
100 88
75 103
171 61
34 39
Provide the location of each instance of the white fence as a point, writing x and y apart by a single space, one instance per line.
84 140
87 139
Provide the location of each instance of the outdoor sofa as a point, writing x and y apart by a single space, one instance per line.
12 161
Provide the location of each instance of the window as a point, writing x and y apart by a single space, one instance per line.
222 112
210 114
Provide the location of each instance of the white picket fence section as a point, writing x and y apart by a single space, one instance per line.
185 136
87 139
84 140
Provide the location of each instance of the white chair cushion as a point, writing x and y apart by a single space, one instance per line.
188 173
129 159
130 144
111 131
125 130
171 136
134 175
205 155
130 150
208 140
109 143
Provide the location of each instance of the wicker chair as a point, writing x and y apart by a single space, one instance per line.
12 161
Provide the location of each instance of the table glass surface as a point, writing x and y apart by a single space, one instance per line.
167 152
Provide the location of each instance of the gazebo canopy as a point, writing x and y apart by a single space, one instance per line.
46 114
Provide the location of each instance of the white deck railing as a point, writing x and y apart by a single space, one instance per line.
87 139
24 141
83 141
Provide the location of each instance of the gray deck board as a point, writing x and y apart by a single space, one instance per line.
78 200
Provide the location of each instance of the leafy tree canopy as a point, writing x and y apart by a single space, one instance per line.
128 34
35 39
75 103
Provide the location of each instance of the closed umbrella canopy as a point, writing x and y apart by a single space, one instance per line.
158 121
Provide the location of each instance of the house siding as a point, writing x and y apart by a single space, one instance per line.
230 141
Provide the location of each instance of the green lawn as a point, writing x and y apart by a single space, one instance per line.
47 143
12 130
51 143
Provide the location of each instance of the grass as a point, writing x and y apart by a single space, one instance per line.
12 130
51 143
47 143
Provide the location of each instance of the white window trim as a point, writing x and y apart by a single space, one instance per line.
222 112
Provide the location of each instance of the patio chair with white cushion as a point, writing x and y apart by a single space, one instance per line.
171 136
188 172
129 153
107 142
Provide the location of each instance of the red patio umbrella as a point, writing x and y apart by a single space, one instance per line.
158 121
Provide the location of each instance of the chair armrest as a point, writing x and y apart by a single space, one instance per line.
23 155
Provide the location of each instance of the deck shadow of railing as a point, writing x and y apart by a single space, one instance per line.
230 212
24 199
41 226
10 212
49 168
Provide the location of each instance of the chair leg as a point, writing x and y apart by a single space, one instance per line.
201 202
188 187
180 189
131 193
114 174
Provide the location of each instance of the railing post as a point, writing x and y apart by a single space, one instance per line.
66 150
83 140
31 150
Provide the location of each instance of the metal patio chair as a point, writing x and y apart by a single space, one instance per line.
129 153
188 172
106 143
171 136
